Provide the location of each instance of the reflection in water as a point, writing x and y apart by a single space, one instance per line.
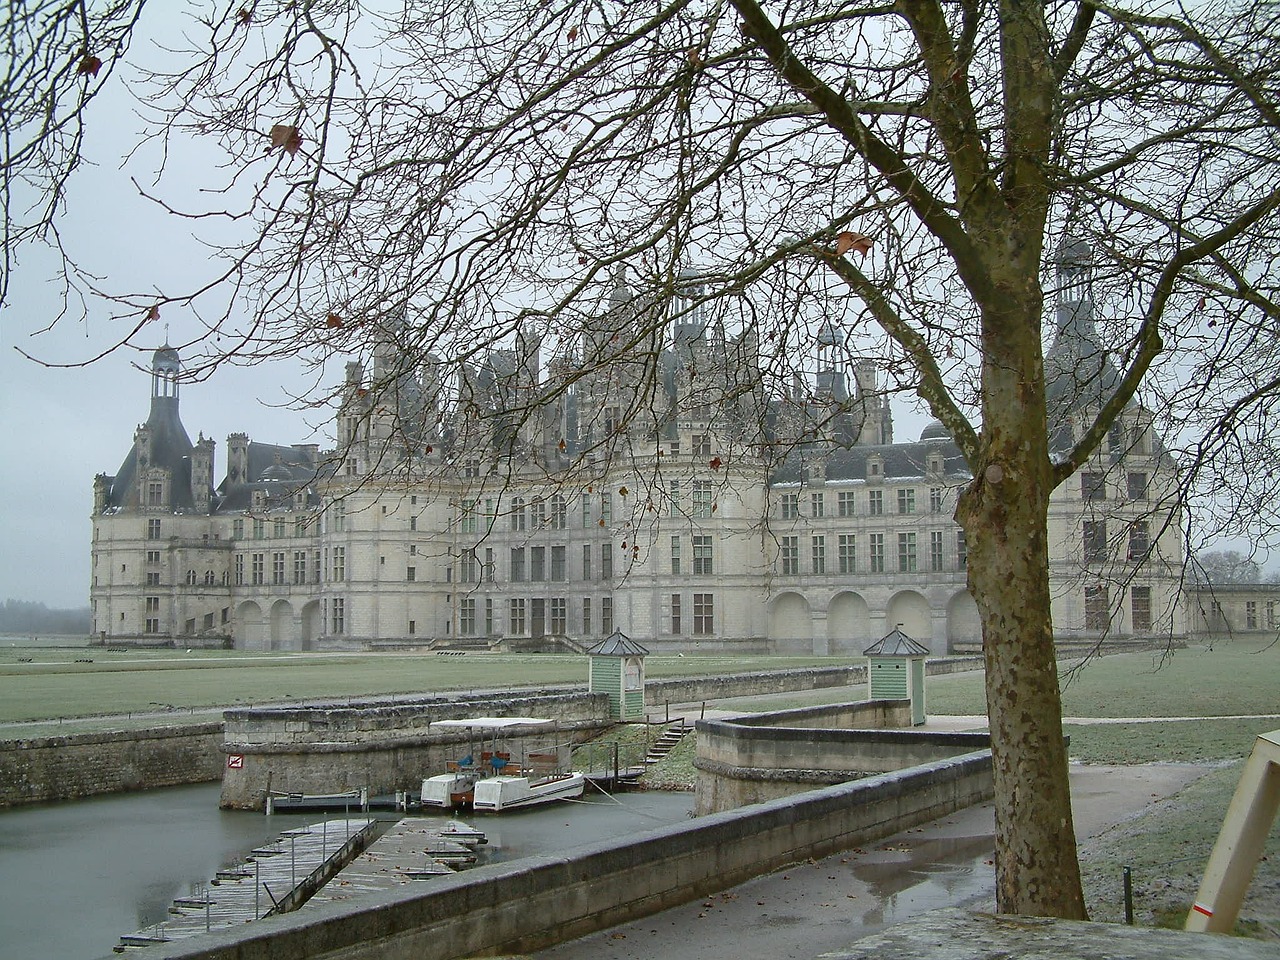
908 875
75 876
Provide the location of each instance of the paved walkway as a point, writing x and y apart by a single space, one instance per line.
820 906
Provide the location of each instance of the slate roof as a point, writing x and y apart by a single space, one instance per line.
617 644
896 644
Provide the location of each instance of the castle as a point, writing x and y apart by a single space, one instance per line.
654 487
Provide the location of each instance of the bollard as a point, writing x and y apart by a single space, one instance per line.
1128 896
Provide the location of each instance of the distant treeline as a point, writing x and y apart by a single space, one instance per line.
24 616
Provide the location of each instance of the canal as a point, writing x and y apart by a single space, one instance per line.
75 876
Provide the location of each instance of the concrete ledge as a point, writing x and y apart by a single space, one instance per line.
957 935
532 903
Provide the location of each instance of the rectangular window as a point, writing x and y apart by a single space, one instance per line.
935 551
606 561
339 517
413 627
704 614
906 553
676 626
586 615
277 569
559 512
259 529
845 503
155 494
152 625
875 502
818 554
1140 598
557 616
468 567
1137 483
413 523
1096 616
790 556
537 563
673 496
790 506
337 615
258 563
817 505
279 529
517 564
1095 541
153 529
339 564
962 550
316 569
470 521
586 561
675 555
876 557
701 445
153 556
516 616
300 566
606 615
519 518
936 498
1251 614
1093 486
606 509
586 509
1271 614
846 554
237 528
1139 540
411 574
488 617
906 500
559 565
300 526
239 568
703 507
702 556
153 604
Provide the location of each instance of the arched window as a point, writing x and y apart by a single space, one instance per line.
208 578
191 578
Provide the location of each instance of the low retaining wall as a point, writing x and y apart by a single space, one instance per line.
658 693
42 769
384 746
768 755
532 903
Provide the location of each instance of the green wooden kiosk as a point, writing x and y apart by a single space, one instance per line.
616 667
896 671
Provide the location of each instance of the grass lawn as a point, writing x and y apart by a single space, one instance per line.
55 685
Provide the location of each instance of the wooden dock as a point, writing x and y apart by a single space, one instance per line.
332 860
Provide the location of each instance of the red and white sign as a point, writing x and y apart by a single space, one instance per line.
235 761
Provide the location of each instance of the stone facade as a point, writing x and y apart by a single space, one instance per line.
555 499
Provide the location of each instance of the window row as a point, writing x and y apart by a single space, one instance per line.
534 616
846 560
851 503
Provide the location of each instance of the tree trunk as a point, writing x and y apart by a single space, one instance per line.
1005 515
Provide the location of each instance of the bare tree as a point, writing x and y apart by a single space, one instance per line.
906 172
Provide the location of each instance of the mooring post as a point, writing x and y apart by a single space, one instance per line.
1128 896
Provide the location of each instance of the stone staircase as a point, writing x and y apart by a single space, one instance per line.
659 749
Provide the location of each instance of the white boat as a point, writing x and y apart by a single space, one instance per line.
492 777
495 794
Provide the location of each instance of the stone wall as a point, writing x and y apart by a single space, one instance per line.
42 769
770 755
528 904
386 745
